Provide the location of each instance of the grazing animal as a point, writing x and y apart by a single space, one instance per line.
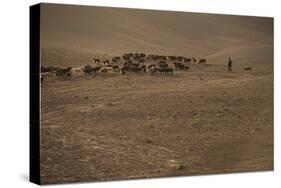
179 66
128 63
46 69
125 69
165 70
132 67
135 65
115 68
126 57
96 69
152 65
162 57
77 71
136 58
187 60
88 69
106 69
96 60
141 61
106 62
162 64
122 72
63 71
149 57
143 69
248 68
55 71
154 69
172 58
46 75
194 60
180 58
202 61
186 67
116 59
151 68
135 69
155 58
142 55
50 69
68 74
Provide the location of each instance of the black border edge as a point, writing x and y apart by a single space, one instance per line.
34 96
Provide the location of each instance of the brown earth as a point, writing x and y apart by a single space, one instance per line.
202 121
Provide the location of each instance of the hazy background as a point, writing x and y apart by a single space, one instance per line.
73 34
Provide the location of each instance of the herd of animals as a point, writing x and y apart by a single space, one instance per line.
127 63
138 63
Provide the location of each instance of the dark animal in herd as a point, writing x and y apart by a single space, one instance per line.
202 61
47 72
115 68
106 62
248 68
116 59
162 64
187 60
165 70
58 71
180 66
88 69
64 71
96 60
194 60
132 67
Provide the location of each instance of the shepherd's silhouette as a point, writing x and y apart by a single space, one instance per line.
229 65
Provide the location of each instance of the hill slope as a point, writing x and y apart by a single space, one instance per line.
113 31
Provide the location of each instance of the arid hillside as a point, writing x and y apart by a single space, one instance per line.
83 31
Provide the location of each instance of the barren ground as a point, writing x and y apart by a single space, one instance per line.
202 121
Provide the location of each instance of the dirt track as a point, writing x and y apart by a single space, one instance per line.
195 122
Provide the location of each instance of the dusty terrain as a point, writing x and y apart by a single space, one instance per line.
200 121
194 122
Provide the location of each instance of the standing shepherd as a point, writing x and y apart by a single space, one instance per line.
229 65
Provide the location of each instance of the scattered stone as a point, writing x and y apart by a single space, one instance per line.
149 141
110 104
